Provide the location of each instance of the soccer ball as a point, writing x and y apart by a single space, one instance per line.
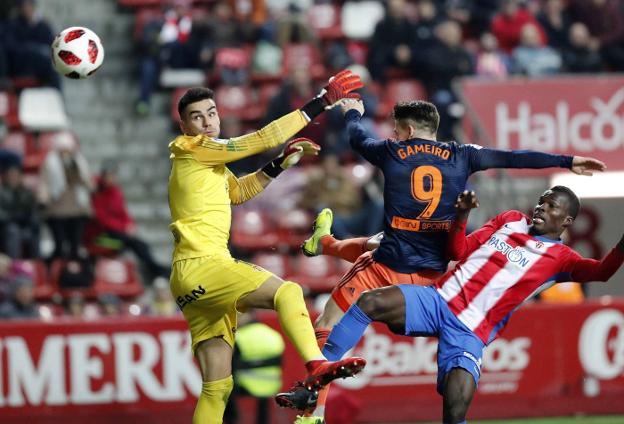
77 52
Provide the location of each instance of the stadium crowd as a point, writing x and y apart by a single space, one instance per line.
263 59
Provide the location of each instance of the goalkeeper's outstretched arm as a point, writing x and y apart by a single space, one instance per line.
212 151
244 188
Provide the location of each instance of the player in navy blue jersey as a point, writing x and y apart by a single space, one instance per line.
422 179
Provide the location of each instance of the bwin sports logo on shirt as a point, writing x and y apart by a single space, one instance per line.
513 254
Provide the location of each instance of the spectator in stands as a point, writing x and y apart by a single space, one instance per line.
446 60
474 16
28 40
490 61
292 27
110 304
9 158
19 216
21 302
428 19
65 191
6 276
226 36
110 215
76 274
225 30
533 59
507 25
581 56
75 305
390 44
556 22
162 303
331 187
605 21
170 41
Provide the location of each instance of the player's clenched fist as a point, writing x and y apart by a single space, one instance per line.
340 86
295 149
466 200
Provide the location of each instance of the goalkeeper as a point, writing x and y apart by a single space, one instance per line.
209 285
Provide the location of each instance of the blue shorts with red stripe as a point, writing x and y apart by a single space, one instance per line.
427 314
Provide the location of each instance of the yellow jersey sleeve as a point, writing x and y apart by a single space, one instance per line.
244 188
201 188
212 151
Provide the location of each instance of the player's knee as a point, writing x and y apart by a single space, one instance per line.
371 304
455 413
288 290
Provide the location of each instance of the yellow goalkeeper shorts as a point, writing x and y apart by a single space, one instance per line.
207 289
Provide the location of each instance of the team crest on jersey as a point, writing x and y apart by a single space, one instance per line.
539 244
513 254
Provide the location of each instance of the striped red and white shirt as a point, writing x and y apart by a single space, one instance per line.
502 265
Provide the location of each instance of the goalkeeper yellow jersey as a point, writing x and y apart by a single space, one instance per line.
202 188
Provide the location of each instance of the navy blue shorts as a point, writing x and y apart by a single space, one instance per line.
426 314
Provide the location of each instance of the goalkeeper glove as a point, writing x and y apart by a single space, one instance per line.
294 150
340 86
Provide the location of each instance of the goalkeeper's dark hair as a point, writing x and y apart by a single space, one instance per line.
192 95
574 204
423 115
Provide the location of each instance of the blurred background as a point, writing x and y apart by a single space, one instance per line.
89 328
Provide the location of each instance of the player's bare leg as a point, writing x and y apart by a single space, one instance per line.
215 362
459 388
329 317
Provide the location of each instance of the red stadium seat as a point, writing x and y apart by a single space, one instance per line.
325 21
238 101
266 92
232 57
12 118
57 267
175 98
16 142
38 148
44 287
399 91
50 311
303 55
294 227
32 150
277 263
319 274
253 230
117 276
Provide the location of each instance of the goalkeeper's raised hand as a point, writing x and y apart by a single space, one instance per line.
340 86
293 151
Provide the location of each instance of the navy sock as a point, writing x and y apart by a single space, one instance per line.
346 333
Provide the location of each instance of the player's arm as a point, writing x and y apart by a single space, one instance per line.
360 139
459 245
213 152
484 158
244 188
585 269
